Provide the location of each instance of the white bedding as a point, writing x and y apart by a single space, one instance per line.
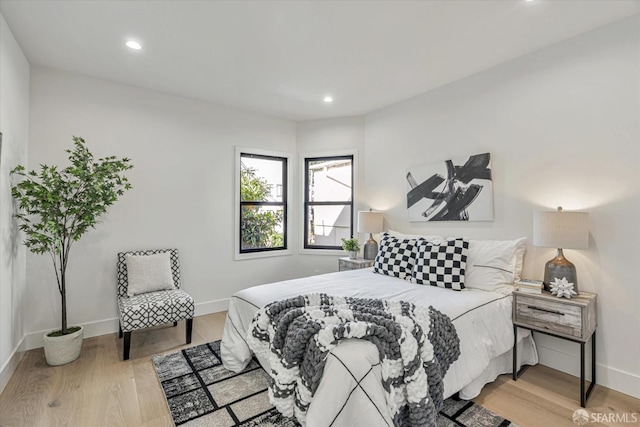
350 392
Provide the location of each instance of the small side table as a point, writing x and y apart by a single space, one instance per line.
347 263
570 319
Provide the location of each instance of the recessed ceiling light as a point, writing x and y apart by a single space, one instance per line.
132 44
328 99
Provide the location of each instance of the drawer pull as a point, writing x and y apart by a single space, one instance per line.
533 307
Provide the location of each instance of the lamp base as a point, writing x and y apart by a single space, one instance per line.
370 248
558 268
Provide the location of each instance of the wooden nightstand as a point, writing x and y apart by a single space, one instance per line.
347 263
570 319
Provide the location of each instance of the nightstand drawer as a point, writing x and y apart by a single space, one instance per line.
549 315
345 264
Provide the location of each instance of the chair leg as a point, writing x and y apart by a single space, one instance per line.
189 330
175 324
119 330
127 345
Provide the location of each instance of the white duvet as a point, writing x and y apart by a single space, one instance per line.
350 392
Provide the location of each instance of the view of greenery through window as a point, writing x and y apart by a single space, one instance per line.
262 203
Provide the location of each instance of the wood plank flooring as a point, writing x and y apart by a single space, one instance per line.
99 389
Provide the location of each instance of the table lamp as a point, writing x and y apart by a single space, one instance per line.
561 230
370 222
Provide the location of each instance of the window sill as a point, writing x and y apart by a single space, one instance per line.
266 254
330 252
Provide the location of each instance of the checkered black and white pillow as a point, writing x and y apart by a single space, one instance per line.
395 257
442 264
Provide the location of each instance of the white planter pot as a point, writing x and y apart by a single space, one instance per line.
64 349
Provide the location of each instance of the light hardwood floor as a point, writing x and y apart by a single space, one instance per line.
99 389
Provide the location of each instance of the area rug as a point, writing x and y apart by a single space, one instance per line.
201 392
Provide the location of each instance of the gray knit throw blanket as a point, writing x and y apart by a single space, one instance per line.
416 346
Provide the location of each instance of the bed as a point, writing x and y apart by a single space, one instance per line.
350 392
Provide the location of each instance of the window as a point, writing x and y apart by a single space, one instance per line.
328 201
263 202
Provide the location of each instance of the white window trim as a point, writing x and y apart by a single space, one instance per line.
301 157
236 229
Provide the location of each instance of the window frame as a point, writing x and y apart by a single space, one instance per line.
240 253
305 158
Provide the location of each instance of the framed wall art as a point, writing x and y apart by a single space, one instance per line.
454 190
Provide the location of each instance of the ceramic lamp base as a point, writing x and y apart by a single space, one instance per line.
558 268
370 248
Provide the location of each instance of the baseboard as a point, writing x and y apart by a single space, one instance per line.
109 326
209 307
91 329
11 364
624 382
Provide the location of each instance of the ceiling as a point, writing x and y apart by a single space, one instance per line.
282 57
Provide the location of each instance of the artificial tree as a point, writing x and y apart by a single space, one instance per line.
57 206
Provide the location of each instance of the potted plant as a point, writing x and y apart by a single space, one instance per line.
352 246
56 207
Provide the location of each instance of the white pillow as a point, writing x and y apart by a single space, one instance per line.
149 273
428 238
495 265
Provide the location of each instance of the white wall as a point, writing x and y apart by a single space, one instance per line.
562 125
182 196
14 125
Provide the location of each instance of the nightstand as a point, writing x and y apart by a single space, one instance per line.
570 319
347 263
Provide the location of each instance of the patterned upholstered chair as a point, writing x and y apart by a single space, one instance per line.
152 308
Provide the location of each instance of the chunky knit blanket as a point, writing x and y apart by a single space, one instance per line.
416 346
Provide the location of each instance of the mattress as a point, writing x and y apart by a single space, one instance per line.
350 392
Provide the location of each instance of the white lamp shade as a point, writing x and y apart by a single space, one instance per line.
369 222
564 230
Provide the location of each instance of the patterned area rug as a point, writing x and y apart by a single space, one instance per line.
201 392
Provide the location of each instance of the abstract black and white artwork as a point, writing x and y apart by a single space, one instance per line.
453 190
